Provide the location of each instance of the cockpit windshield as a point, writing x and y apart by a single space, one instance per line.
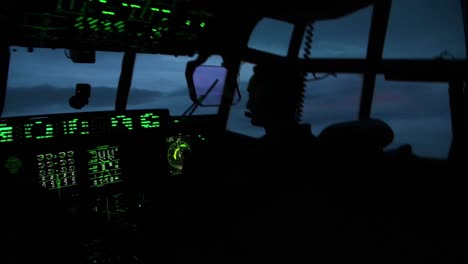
41 81
159 82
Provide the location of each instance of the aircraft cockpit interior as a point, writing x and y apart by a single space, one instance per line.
98 169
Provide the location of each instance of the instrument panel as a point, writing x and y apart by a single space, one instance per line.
84 154
66 127
149 26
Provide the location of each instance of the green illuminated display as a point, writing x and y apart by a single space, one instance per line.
106 23
56 170
96 24
75 126
42 129
108 13
175 153
126 121
6 133
104 166
48 130
149 120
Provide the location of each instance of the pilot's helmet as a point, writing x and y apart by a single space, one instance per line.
275 94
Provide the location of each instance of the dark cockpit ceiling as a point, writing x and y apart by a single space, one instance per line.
177 27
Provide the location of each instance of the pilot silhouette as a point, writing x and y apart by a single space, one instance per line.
276 94
275 99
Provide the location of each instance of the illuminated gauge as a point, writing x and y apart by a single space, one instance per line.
72 168
42 172
50 164
41 165
40 157
62 154
49 156
175 153
70 153
71 161
13 165
63 162
50 171
63 169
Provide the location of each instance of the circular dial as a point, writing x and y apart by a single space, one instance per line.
175 153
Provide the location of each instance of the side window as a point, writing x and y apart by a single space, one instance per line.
335 99
332 100
421 30
418 113
272 36
345 37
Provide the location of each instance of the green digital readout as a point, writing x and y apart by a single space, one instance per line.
122 119
149 120
75 126
6 133
48 129
104 166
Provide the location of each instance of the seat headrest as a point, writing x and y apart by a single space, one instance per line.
372 133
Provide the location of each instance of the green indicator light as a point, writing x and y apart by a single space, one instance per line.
167 11
155 9
135 6
188 22
108 13
202 24
164 19
124 4
6 133
79 19
57 182
103 1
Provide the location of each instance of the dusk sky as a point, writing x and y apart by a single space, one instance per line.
41 82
